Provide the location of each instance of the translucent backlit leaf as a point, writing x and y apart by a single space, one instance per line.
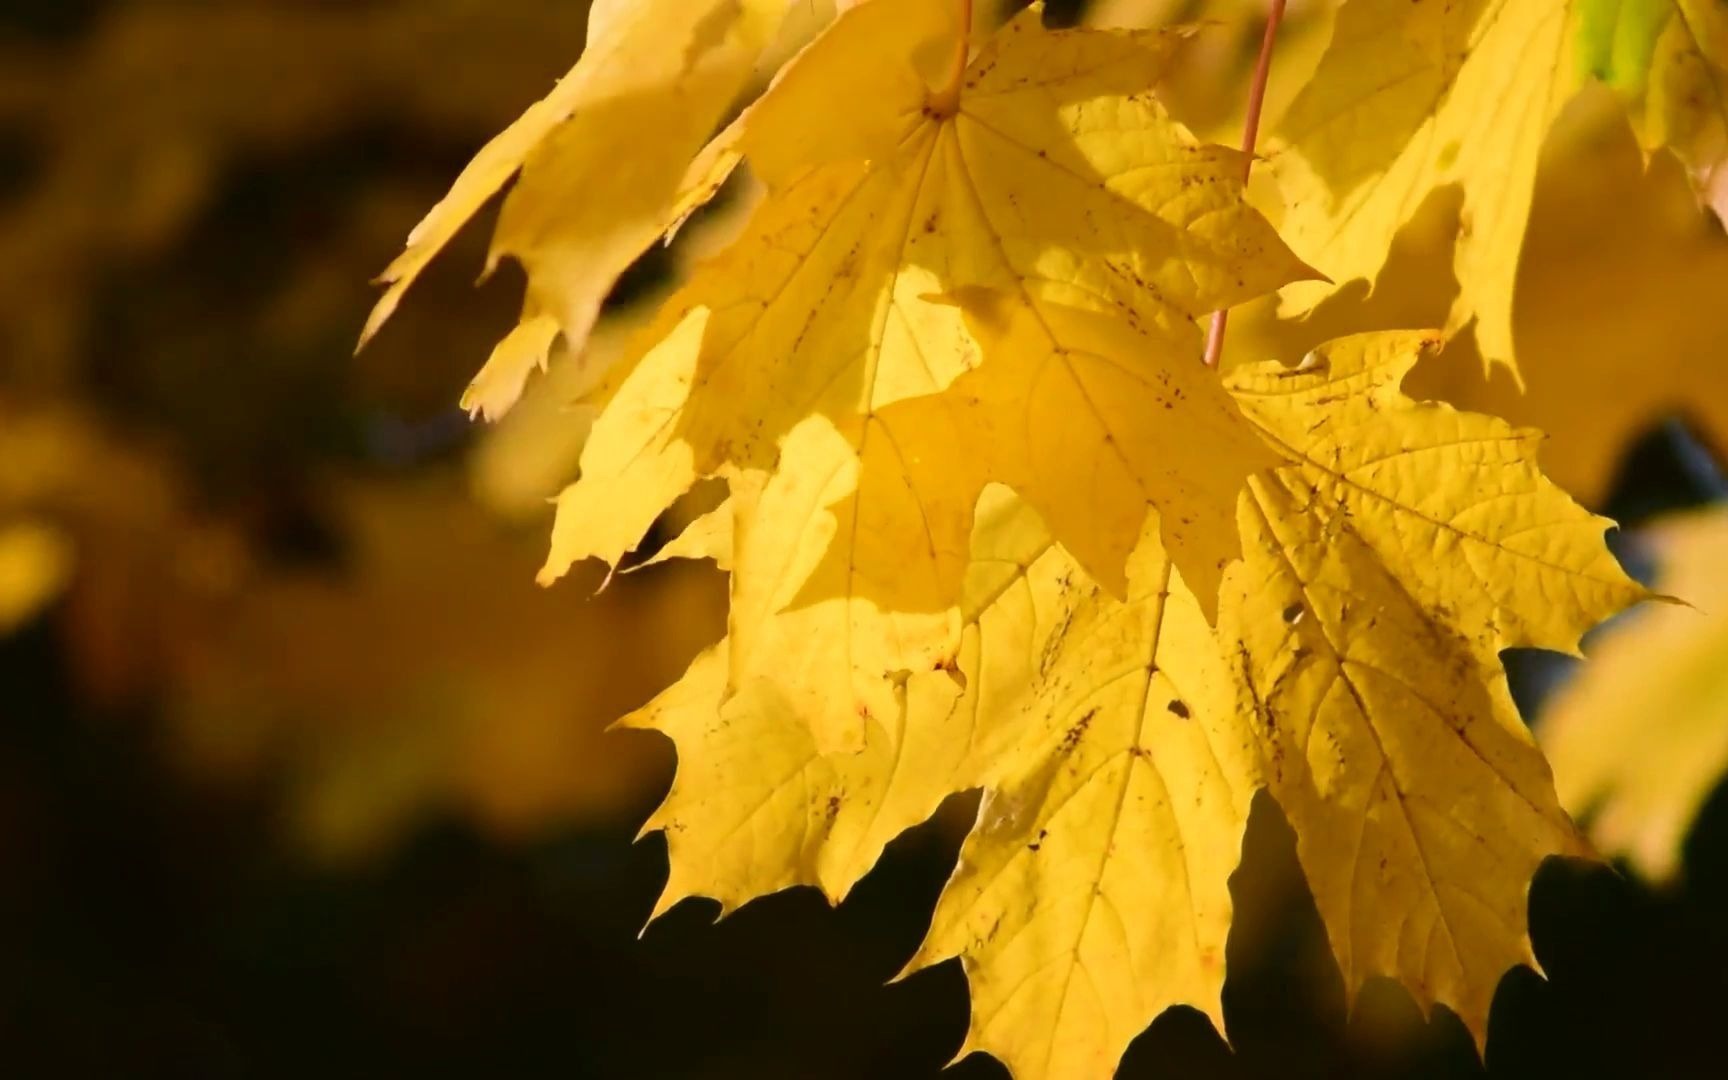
1640 739
1054 179
1415 95
1382 575
599 164
1093 892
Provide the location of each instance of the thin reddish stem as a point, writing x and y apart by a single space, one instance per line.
1250 134
946 101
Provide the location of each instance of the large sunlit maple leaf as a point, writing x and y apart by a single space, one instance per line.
1107 734
1053 178
1383 574
1093 892
1056 176
1354 674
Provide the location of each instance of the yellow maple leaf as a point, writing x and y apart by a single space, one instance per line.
1452 502
1620 323
1415 95
1640 738
1354 674
601 160
1420 804
1381 577
1093 422
1107 735
1411 96
708 536
976 271
1053 177
759 806
1635 292
1093 892
1669 60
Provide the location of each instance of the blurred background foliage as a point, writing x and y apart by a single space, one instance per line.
300 771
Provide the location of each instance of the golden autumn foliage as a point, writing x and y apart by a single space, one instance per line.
992 525
1416 96
908 441
1640 281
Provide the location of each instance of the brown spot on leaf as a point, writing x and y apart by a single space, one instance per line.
1075 733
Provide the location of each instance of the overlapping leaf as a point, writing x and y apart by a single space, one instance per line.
758 806
601 161
1411 96
1382 575
1416 95
1634 292
1453 503
1093 421
1669 60
1640 739
1093 892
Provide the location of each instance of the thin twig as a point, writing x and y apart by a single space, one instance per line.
1250 134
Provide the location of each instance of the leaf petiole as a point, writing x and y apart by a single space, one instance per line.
1250 133
946 101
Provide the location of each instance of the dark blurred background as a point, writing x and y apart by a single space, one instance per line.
299 772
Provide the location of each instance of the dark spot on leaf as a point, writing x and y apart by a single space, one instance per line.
1072 738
